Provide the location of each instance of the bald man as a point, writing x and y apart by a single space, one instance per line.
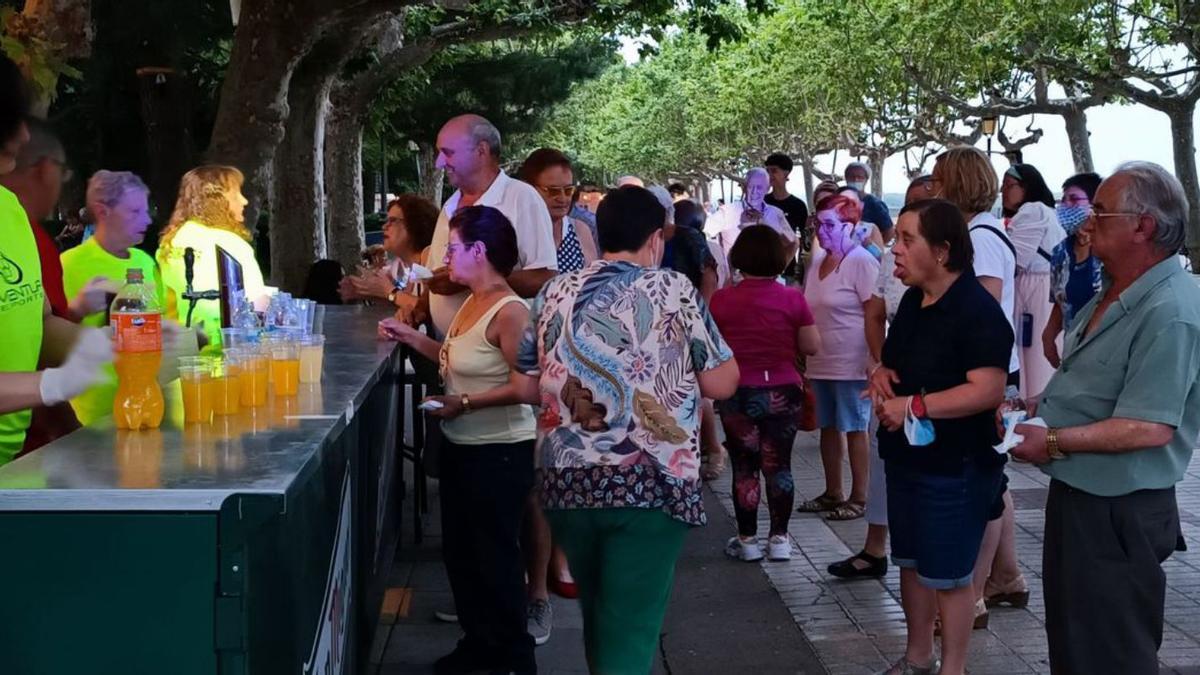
469 153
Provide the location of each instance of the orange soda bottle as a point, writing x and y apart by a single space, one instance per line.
137 327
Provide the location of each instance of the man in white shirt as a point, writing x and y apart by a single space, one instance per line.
752 209
469 152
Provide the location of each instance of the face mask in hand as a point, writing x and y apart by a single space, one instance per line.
1071 217
919 432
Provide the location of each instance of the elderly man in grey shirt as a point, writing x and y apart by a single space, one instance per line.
1123 413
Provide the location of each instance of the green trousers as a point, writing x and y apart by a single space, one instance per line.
623 562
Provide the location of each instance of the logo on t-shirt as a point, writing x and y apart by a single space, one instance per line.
16 293
10 271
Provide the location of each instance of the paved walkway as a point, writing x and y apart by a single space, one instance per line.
723 617
858 626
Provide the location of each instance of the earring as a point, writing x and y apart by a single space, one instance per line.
939 260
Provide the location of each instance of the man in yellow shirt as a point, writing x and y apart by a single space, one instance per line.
30 331
118 201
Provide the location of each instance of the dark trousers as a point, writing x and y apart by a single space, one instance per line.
483 491
1103 579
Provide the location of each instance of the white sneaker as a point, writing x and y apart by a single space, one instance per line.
748 551
779 548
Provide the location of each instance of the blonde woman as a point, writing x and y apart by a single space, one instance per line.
208 214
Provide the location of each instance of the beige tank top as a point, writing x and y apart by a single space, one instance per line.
472 365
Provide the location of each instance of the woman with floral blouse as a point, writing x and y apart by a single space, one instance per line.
622 353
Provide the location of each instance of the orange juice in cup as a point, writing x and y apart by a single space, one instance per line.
252 375
227 388
195 382
285 367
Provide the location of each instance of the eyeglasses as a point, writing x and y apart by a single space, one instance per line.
557 190
453 249
1092 213
67 173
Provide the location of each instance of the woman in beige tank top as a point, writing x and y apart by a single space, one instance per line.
487 460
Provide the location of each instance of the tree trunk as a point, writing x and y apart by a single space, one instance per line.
297 228
167 115
1079 139
806 168
1183 146
432 178
876 160
344 193
253 105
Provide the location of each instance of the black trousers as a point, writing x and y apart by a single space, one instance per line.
483 491
1103 579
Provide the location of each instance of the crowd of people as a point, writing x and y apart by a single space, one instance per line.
584 349
902 343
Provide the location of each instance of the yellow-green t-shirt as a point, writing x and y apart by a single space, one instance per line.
22 303
80 265
204 240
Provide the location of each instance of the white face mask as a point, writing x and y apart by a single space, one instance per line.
858 185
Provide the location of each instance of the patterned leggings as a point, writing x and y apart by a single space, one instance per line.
760 426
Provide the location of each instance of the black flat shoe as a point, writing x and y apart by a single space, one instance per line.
846 569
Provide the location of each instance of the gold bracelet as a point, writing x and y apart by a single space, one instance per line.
1052 444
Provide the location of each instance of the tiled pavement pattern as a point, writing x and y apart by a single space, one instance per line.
858 626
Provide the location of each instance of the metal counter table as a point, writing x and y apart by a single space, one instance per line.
256 544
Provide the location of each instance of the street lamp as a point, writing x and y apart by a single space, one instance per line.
988 126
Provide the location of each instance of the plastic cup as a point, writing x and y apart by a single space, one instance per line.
232 338
226 388
312 357
285 367
304 311
195 382
251 363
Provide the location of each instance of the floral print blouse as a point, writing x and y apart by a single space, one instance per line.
617 348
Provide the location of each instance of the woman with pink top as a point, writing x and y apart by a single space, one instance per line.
840 283
766 324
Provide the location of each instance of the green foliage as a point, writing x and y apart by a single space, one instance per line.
512 83
36 49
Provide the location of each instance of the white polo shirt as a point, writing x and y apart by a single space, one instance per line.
524 207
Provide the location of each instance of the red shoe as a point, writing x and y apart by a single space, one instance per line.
563 589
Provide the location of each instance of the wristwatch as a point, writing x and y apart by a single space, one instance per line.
1052 444
391 296
465 400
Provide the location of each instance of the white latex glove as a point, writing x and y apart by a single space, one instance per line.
81 370
92 297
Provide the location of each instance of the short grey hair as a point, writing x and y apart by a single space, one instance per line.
43 143
107 187
757 171
857 165
1153 191
664 197
483 131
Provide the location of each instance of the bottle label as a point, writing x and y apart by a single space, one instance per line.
138 332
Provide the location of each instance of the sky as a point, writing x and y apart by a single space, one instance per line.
1119 133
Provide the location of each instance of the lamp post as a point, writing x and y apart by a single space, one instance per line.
988 126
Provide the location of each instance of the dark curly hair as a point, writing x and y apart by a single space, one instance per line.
420 217
14 105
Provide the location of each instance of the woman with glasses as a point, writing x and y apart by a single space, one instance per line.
487 459
406 236
1075 274
1034 230
550 172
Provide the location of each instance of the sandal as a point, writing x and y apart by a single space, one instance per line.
1014 593
847 569
825 502
847 511
980 622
